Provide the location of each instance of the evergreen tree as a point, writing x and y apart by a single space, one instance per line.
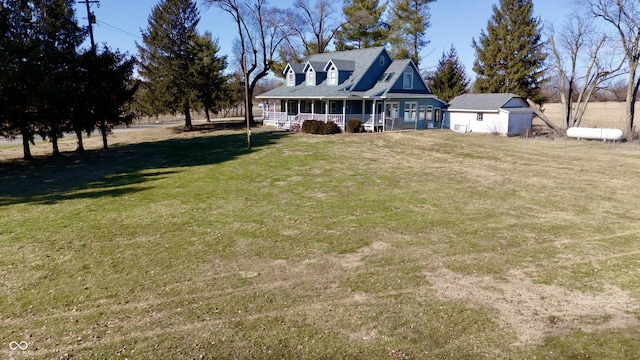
450 78
60 36
208 72
20 75
112 90
167 54
409 23
5 129
363 27
40 48
510 55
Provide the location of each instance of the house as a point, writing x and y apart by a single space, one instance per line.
364 84
505 114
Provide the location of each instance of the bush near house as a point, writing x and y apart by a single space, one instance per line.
354 126
330 127
320 127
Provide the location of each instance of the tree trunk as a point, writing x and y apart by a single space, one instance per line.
25 148
630 100
206 112
103 131
54 144
543 117
187 118
80 148
26 137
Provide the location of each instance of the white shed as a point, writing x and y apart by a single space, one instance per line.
505 114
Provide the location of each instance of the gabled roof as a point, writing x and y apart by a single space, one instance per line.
297 68
317 66
481 102
391 76
359 60
341 65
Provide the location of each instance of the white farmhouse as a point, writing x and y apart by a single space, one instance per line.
505 114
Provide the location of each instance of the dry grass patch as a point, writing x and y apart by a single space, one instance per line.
536 311
392 245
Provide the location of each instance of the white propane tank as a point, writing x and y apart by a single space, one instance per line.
594 133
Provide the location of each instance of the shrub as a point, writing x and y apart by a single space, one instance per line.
316 126
331 128
306 126
320 127
354 126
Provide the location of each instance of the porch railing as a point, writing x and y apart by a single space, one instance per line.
282 120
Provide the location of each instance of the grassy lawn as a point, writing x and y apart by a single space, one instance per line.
417 245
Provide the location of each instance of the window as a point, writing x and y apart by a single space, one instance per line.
291 76
429 112
381 60
392 110
311 77
421 113
333 107
408 79
479 118
333 76
410 114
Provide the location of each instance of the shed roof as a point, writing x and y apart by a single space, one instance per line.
481 102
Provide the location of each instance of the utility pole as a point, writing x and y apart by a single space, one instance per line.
92 20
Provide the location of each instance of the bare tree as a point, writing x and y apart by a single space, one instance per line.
578 42
618 90
624 17
261 30
317 24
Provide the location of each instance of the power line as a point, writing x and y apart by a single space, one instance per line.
118 29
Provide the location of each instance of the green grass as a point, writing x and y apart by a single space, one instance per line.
388 245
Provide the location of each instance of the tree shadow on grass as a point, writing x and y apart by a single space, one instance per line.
120 171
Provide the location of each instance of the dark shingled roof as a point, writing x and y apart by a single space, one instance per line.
480 102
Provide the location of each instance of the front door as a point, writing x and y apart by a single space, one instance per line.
392 114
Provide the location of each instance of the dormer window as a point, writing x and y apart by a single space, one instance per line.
291 78
333 76
407 79
311 77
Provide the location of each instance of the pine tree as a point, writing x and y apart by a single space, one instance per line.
59 39
112 90
208 72
450 78
167 54
510 56
40 48
409 24
363 27
5 128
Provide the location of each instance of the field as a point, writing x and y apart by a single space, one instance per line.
420 245
598 114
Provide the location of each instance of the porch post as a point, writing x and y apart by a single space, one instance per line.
373 120
364 106
344 113
326 111
313 109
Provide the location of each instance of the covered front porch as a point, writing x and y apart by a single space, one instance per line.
283 114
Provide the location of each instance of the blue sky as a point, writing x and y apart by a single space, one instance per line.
454 22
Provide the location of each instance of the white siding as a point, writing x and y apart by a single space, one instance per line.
468 121
511 122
